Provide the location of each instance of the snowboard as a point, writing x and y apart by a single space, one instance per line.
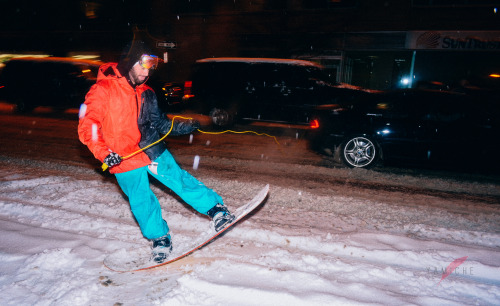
140 258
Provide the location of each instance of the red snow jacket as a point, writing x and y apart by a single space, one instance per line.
117 117
109 119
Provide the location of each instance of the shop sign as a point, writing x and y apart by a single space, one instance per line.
454 40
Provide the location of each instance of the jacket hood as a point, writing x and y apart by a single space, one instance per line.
108 70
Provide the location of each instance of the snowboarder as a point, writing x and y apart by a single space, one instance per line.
119 117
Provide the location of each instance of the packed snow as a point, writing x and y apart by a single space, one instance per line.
302 247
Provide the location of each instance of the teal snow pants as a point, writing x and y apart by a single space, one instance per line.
144 204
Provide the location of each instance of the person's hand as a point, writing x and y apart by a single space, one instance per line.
186 127
112 159
195 124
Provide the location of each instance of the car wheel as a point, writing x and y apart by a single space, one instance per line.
359 152
222 117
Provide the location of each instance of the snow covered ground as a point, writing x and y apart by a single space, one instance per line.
58 222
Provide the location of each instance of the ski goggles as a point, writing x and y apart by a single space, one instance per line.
149 61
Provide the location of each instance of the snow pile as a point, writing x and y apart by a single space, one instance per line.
59 222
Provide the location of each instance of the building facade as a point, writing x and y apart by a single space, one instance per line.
377 44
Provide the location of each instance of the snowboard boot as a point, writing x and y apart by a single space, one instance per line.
161 248
220 216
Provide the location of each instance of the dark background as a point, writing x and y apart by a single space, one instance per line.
360 42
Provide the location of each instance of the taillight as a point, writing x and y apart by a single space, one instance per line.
187 90
314 124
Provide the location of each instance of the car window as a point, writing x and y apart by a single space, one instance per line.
392 105
217 76
396 107
442 107
15 70
278 76
318 75
378 105
483 109
299 76
447 111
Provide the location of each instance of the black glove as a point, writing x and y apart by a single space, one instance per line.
185 127
195 124
112 159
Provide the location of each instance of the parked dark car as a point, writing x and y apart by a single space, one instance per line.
278 90
51 81
410 126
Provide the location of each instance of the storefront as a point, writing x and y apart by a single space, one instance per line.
456 58
436 59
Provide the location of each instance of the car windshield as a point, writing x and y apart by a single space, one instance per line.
272 75
320 75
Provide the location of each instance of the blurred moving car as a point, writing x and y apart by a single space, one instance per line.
170 95
50 81
278 90
410 126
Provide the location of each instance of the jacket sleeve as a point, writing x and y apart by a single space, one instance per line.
90 124
161 122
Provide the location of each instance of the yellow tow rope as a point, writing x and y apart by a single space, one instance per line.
105 167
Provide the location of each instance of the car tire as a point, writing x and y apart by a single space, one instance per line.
223 117
359 152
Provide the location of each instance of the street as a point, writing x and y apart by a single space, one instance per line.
54 136
352 236
46 135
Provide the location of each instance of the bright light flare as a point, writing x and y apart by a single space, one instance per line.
384 132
